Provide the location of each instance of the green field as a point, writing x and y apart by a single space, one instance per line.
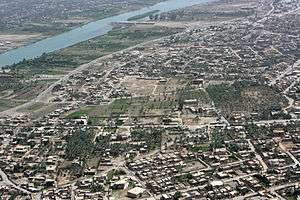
7 104
133 108
142 106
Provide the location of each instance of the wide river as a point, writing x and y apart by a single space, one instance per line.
85 32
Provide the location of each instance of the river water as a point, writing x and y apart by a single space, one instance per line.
85 32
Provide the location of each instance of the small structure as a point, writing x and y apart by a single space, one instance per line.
136 192
120 185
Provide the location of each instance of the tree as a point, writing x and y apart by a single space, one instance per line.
177 195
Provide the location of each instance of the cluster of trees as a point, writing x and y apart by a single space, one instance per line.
152 137
255 131
184 178
102 143
218 140
247 97
189 93
80 144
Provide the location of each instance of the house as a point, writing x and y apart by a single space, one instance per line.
136 192
120 185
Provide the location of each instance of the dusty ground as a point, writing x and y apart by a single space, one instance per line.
11 41
196 121
287 146
172 85
74 21
139 87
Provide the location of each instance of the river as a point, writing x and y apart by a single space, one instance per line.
85 32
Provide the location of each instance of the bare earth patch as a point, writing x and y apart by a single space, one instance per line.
11 41
139 86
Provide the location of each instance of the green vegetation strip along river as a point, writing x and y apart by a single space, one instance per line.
86 32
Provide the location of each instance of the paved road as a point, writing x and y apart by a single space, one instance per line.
296 161
258 157
278 121
282 75
271 189
6 181
268 14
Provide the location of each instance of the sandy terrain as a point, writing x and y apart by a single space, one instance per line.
139 87
11 41
74 21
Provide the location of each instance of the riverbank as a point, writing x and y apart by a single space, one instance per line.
85 32
15 33
29 78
